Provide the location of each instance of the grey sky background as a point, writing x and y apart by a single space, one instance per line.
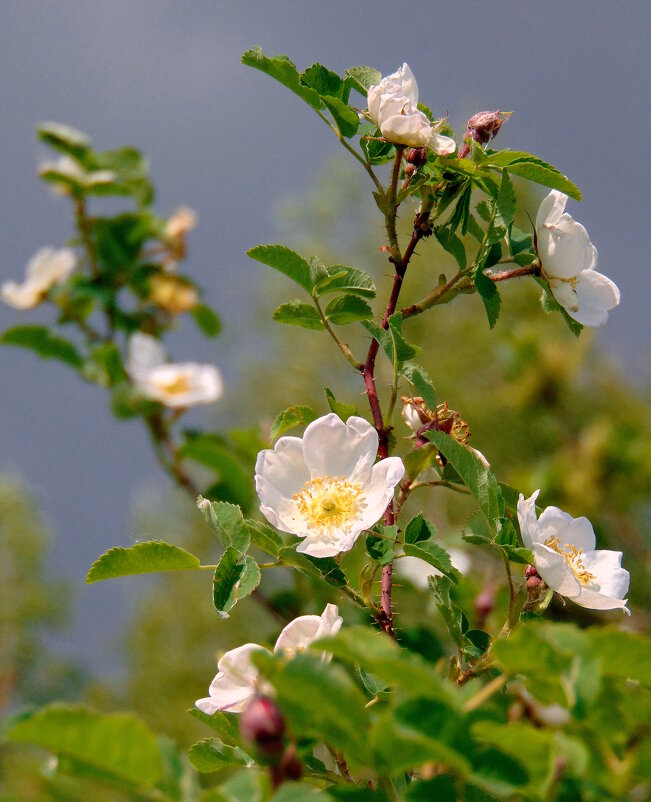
229 142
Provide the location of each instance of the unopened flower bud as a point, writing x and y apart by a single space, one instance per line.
533 583
530 570
484 604
263 724
416 156
482 127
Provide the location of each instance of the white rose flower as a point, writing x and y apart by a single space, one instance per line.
568 260
238 680
393 107
306 629
45 269
174 385
565 557
325 487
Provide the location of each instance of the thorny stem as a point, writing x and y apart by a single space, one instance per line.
505 275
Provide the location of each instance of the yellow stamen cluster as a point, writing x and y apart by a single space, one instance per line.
179 384
573 558
330 502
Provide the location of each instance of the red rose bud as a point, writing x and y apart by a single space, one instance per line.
416 156
530 570
484 604
533 583
482 127
263 724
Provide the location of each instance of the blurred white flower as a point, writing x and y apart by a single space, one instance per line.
67 167
568 260
565 557
238 680
305 629
174 385
173 294
393 107
183 220
418 572
325 487
45 269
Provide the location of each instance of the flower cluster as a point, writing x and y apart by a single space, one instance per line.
568 260
324 487
175 385
565 557
237 680
393 107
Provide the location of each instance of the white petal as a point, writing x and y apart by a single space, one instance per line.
579 533
565 255
600 601
317 548
20 296
610 578
384 477
373 100
331 621
551 209
332 447
442 145
555 571
237 663
226 695
284 467
144 352
412 129
552 521
298 634
529 528
279 510
408 85
596 295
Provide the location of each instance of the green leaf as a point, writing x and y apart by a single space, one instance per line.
386 339
380 545
285 261
217 454
435 555
236 576
623 654
142 558
383 658
422 383
298 415
323 81
207 320
265 537
346 118
213 755
284 71
323 568
312 694
248 785
318 271
474 474
452 614
504 205
226 725
452 244
338 407
45 344
489 295
301 792
295 313
347 309
534 169
117 743
363 78
64 139
461 214
227 523
418 529
419 460
346 280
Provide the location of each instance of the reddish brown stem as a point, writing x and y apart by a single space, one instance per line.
516 273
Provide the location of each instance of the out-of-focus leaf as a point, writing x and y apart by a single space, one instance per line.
42 342
212 755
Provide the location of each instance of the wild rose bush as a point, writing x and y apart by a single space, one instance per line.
345 706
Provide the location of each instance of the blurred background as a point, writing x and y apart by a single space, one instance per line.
258 166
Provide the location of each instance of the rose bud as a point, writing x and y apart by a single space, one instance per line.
263 724
484 604
533 583
530 570
482 127
416 156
